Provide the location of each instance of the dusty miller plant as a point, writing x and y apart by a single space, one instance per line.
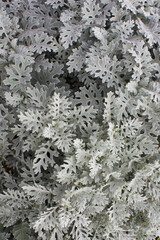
79 119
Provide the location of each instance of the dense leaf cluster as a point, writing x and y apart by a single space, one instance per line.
79 119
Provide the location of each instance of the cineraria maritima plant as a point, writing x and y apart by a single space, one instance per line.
80 119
